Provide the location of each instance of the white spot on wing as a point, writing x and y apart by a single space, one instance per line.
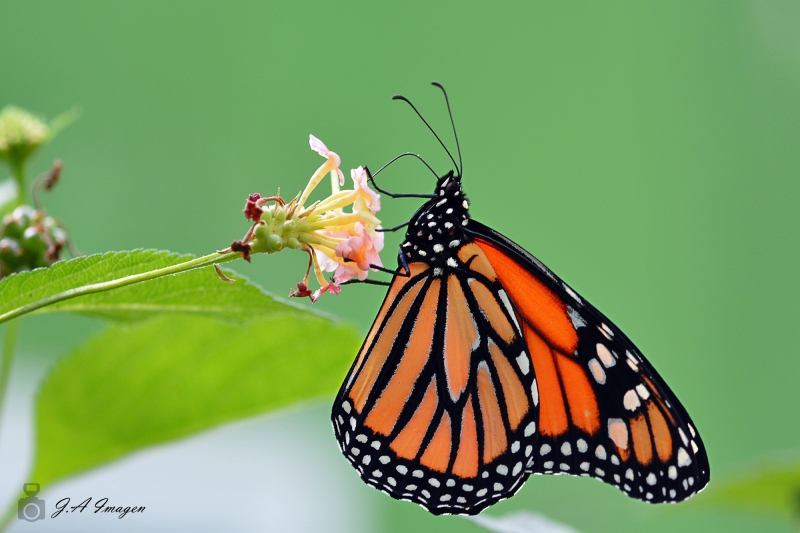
566 448
572 293
535 393
600 453
576 318
507 303
597 371
452 262
605 356
631 400
524 365
438 248
643 392
618 432
683 458
529 429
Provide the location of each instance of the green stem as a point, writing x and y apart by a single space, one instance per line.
5 363
7 516
5 371
19 174
207 260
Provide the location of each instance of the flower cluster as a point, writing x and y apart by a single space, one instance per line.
28 237
345 242
21 133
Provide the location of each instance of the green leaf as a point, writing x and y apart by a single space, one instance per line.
771 486
197 291
176 375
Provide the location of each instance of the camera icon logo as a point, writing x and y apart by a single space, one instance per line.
30 508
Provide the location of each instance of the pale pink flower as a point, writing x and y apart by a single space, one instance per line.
319 147
340 232
372 199
361 249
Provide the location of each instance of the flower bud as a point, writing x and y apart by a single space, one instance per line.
21 133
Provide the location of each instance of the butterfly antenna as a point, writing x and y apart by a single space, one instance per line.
406 100
412 154
453 123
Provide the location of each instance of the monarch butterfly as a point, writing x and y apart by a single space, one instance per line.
483 367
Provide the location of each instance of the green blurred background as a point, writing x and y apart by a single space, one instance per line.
647 153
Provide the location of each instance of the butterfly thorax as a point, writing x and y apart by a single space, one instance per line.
437 229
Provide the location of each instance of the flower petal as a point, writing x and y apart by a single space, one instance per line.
372 199
318 146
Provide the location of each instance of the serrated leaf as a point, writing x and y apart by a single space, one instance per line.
197 291
174 376
771 486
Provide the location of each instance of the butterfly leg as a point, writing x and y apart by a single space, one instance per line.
394 228
403 271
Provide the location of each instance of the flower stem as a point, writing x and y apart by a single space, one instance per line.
19 175
7 516
200 262
5 363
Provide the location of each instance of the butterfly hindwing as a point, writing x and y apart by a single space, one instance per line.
604 411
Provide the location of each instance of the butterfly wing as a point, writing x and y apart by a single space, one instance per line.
604 411
435 410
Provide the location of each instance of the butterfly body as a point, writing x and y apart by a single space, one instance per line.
483 367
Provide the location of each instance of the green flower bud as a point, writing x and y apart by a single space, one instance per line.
33 243
274 243
10 254
15 223
20 134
